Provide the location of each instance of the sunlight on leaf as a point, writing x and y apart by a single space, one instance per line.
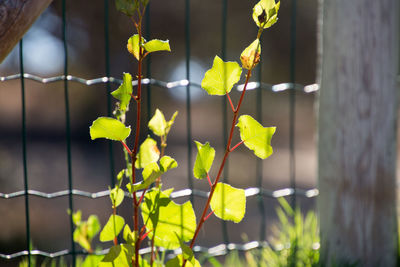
109 128
148 153
251 55
220 79
133 45
265 13
112 228
124 92
228 203
255 136
204 159
166 219
157 45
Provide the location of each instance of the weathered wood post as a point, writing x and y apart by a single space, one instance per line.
357 131
16 16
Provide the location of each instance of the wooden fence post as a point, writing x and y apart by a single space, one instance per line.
16 16
357 131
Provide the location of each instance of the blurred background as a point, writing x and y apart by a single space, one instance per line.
47 167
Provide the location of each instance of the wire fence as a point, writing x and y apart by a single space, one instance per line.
258 192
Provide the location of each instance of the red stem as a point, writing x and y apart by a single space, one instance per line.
227 151
126 147
230 102
236 146
209 180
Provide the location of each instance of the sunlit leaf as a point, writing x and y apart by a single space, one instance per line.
178 261
220 79
112 228
167 163
159 125
251 55
124 92
92 260
133 45
148 153
117 196
120 255
255 136
128 235
157 45
165 219
228 203
109 128
265 13
77 217
204 159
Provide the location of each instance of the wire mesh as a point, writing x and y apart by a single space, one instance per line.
259 192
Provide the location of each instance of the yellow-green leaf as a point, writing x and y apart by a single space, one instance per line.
120 255
255 136
124 92
178 261
167 220
148 153
157 45
112 228
116 196
251 55
204 159
220 79
109 128
265 13
228 203
133 45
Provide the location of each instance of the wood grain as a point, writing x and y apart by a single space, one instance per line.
357 131
16 16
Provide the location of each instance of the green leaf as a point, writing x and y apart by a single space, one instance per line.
92 260
128 7
128 235
116 196
220 79
228 203
124 92
255 136
251 55
112 228
158 125
150 173
187 252
204 159
120 255
109 128
178 261
167 220
77 217
120 175
85 231
93 226
265 13
133 45
167 163
157 45
148 153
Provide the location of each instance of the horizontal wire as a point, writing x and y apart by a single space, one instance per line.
179 83
218 250
251 191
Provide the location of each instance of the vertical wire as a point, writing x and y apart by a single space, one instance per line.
27 216
292 115
108 86
224 112
68 131
148 66
292 95
259 162
188 104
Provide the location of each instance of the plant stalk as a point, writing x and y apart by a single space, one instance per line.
227 152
